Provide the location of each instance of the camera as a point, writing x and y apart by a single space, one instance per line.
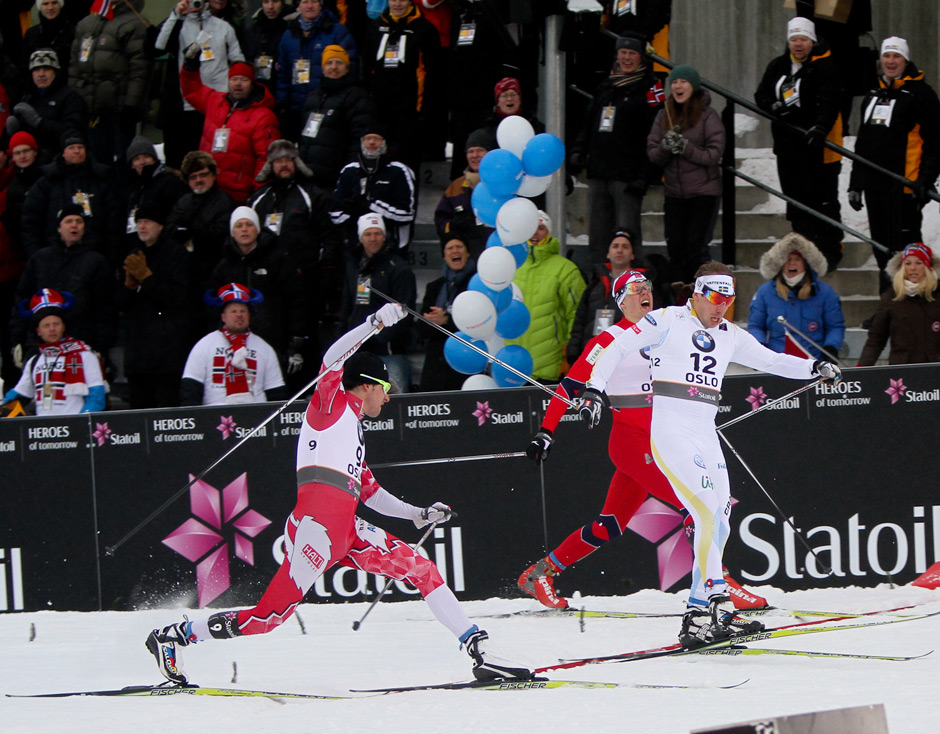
196 4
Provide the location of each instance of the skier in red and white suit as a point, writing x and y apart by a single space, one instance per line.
323 529
636 475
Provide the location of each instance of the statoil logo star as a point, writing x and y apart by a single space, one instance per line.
656 521
757 397
102 433
693 391
482 412
226 426
230 524
896 390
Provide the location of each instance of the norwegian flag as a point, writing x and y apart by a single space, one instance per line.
104 8
655 95
793 347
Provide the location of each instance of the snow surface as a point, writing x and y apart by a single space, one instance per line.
400 644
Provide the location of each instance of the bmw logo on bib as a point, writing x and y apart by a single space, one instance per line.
703 341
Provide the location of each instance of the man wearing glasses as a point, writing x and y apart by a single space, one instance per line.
200 219
690 348
323 529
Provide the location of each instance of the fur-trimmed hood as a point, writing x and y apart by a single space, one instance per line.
894 264
772 260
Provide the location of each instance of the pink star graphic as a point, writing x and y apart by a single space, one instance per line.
482 412
896 390
757 397
208 549
693 391
655 521
102 433
226 426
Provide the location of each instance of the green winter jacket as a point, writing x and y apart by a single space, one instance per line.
551 287
109 66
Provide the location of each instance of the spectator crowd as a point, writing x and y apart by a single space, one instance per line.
285 187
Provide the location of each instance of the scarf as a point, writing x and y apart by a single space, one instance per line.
65 376
453 279
911 290
239 370
623 80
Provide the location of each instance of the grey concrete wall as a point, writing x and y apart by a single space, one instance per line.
731 42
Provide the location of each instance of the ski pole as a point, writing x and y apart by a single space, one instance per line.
111 549
820 347
448 460
476 349
825 567
789 395
427 533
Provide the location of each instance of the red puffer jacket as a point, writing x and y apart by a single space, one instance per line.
252 124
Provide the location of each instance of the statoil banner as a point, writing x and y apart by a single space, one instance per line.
95 512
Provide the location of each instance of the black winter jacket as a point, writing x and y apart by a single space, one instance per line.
156 185
347 112
157 341
60 108
202 221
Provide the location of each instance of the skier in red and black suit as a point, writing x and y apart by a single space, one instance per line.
323 529
636 475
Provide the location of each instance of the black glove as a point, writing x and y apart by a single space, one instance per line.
855 200
540 445
826 371
27 114
780 110
815 136
591 407
921 192
636 187
13 125
192 56
576 163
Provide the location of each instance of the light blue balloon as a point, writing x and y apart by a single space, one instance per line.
462 358
501 171
520 252
514 321
494 241
543 155
485 205
517 357
501 299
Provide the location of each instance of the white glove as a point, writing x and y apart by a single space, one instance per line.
18 356
240 358
295 363
438 512
828 372
390 313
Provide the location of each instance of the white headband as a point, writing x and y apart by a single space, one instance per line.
723 284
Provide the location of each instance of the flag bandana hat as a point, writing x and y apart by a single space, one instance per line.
43 299
233 293
629 283
104 8
920 251
717 288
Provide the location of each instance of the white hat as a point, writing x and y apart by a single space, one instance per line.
896 45
61 3
370 221
801 27
243 212
546 220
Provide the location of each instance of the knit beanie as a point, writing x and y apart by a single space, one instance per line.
240 68
22 138
141 146
506 84
897 45
480 138
334 51
244 212
801 27
633 42
684 71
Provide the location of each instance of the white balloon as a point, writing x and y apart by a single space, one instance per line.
479 382
516 221
474 314
495 343
496 267
517 293
534 185
513 133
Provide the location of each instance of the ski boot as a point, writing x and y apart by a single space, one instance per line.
743 598
698 629
537 580
162 645
724 618
486 665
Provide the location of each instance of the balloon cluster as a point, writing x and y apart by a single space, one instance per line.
491 310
